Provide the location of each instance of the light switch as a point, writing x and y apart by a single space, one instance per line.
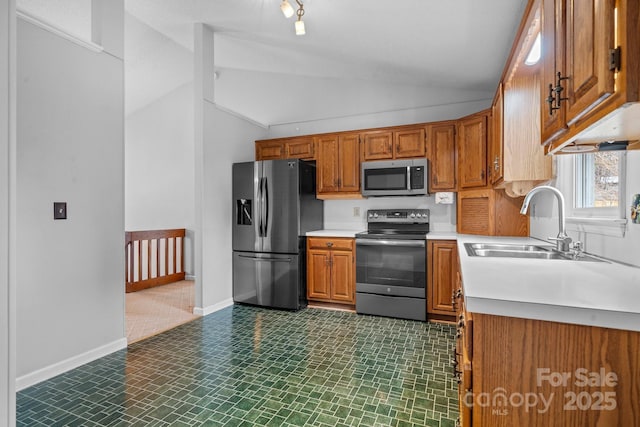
59 210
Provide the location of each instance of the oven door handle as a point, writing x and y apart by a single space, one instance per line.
388 242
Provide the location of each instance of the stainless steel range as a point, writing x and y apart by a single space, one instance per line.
391 264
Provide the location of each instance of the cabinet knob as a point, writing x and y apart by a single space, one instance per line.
329 244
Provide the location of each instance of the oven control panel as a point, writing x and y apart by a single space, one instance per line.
398 216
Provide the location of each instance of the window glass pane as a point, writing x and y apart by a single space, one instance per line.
71 16
597 180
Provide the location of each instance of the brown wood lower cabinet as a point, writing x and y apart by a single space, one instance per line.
526 372
442 268
330 270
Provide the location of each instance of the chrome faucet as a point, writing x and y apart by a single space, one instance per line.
563 242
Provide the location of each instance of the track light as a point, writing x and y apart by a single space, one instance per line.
300 23
288 11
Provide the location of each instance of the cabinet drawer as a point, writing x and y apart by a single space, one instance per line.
333 243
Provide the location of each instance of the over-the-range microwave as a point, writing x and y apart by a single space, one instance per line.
395 177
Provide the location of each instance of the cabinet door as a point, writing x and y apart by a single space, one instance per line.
442 153
589 38
270 150
443 268
377 145
300 148
349 163
342 276
552 120
475 212
472 151
327 163
409 143
496 159
318 274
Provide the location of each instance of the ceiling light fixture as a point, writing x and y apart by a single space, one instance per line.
288 11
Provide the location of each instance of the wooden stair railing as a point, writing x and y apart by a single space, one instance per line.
153 258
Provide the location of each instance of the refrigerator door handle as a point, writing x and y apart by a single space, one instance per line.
255 258
261 212
266 207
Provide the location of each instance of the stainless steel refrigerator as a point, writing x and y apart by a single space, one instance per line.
274 205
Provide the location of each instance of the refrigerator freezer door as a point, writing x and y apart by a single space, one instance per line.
268 280
246 206
281 208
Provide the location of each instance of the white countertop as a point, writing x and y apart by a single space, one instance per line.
433 235
333 233
604 294
442 235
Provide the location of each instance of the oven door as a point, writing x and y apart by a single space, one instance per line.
391 267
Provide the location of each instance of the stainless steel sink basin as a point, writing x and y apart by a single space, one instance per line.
505 250
506 246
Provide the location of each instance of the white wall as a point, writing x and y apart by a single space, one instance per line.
7 212
227 140
544 223
392 118
159 176
70 278
339 214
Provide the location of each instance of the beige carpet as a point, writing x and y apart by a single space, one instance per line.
155 310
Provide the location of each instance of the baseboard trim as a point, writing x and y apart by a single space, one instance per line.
51 371
203 311
189 277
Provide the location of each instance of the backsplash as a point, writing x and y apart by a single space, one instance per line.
339 214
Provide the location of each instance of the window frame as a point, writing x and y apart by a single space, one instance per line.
612 212
611 221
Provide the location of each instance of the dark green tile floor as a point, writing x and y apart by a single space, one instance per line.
245 366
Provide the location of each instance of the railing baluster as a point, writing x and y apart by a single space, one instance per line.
175 245
166 256
182 255
157 257
149 258
139 260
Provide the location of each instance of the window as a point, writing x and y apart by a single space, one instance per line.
598 184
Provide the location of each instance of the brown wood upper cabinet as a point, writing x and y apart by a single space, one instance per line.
471 139
590 68
338 164
496 142
393 144
442 156
285 148
517 161
577 75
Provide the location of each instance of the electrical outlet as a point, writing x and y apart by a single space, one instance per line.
59 210
356 211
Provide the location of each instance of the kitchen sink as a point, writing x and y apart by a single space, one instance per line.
505 250
506 247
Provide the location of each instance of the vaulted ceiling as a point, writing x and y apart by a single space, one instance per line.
357 57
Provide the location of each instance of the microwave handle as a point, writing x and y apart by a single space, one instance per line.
408 177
